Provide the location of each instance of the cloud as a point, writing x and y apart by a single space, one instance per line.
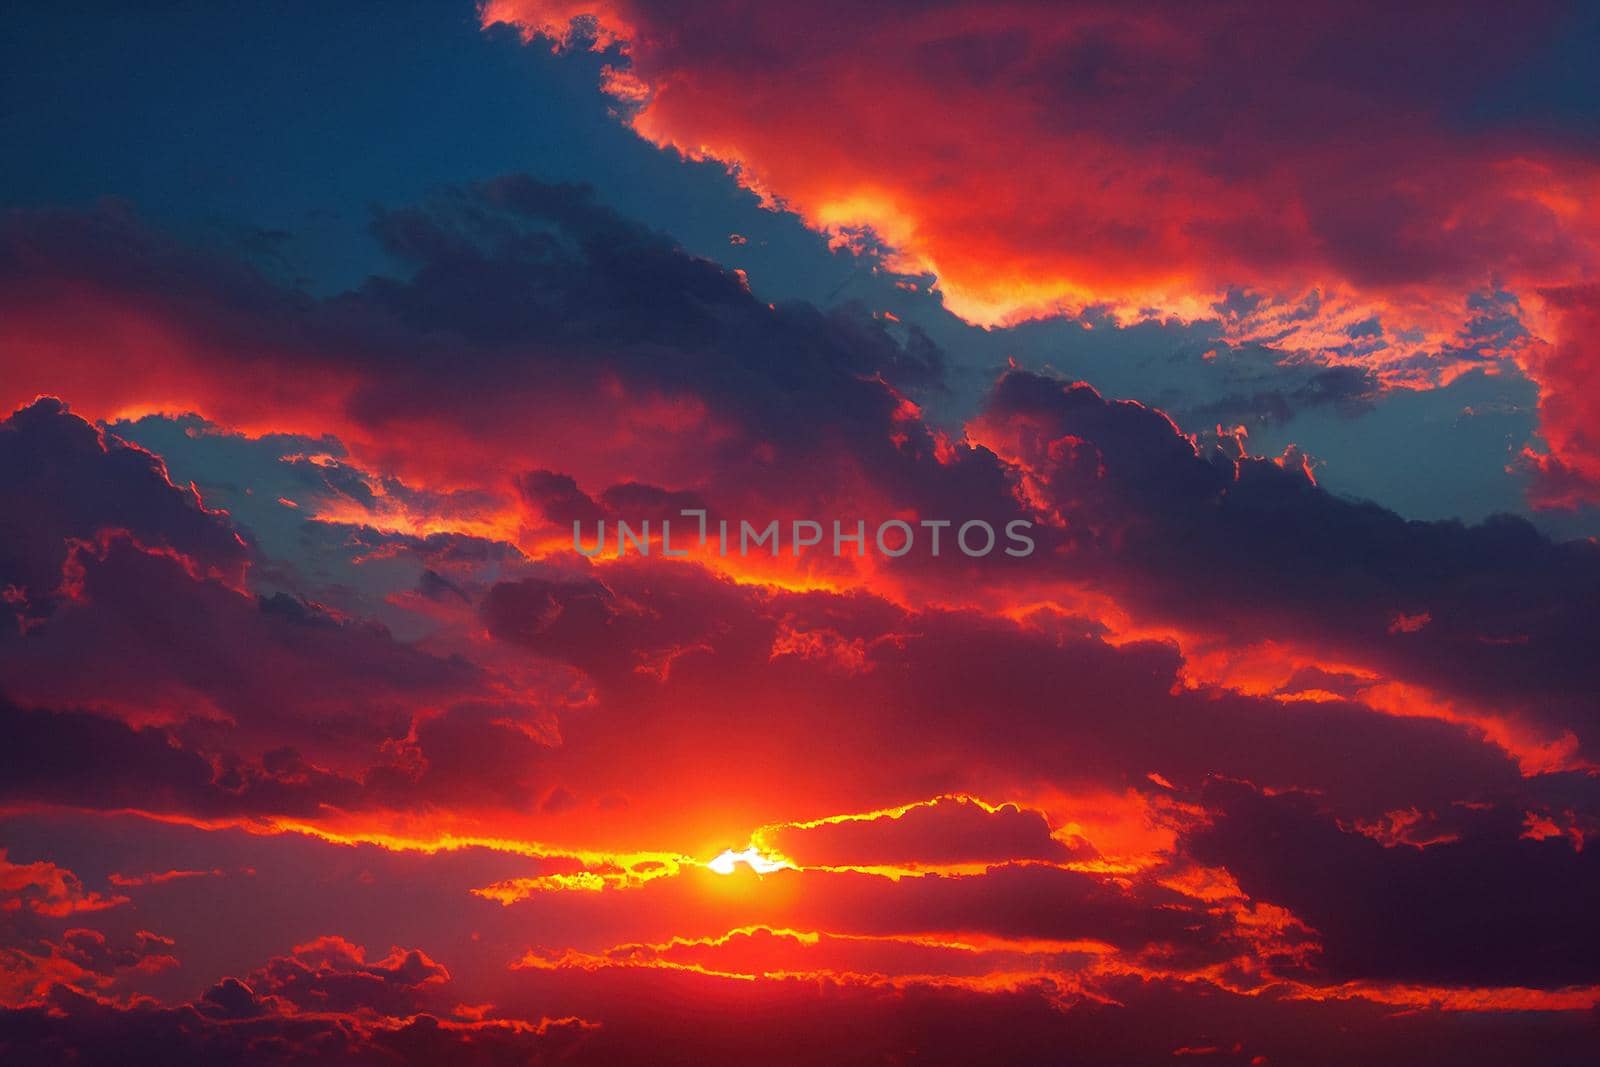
1567 474
83 760
206 699
1241 164
62 480
322 1003
45 889
1157 134
674 1017
947 830
32 963
846 702
1243 542
168 644
1348 390
611 725
1489 906
332 974
818 425
445 370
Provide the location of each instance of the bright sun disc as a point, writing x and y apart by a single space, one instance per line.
729 860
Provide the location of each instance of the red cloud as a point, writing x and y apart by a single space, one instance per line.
1152 158
45 889
1110 153
1569 404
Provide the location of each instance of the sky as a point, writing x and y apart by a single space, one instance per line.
335 337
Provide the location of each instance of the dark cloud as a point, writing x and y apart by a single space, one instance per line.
62 480
525 301
149 679
77 759
331 974
1350 391
1255 545
556 498
481 757
536 345
1489 907
677 1018
868 701
275 669
949 830
322 1004
646 1015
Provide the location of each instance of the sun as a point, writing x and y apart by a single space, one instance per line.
751 857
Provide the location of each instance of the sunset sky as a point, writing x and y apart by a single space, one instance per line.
1275 326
